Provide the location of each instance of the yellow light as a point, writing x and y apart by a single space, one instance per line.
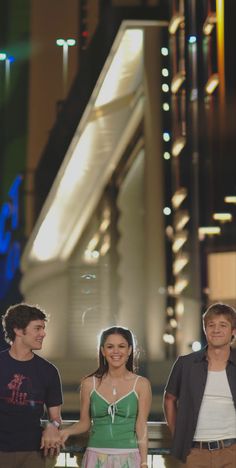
179 308
212 83
168 338
93 242
178 145
169 232
223 217
170 311
221 47
130 51
181 219
90 158
209 231
180 285
179 241
230 199
175 22
177 81
106 245
179 197
208 28
104 225
209 24
173 323
179 263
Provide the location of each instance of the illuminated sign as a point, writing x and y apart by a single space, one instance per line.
9 247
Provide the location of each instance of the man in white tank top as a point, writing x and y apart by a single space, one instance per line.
200 396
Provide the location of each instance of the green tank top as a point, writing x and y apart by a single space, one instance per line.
113 424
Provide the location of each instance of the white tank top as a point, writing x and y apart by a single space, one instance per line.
217 415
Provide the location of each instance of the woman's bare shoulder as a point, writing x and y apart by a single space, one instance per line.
87 383
143 383
143 379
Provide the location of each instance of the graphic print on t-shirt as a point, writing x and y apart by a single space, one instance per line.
26 387
17 397
20 391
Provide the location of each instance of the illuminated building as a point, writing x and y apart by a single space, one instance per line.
132 189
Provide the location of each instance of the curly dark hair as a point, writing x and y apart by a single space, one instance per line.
19 316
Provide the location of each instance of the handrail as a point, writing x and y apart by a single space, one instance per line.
159 439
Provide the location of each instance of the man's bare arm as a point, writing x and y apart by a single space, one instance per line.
170 411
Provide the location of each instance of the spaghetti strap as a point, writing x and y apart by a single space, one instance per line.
136 380
94 382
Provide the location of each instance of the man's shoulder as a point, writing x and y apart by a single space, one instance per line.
44 362
195 356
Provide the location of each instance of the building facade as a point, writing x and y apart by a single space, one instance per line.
133 201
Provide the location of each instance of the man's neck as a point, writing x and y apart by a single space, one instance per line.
20 354
217 358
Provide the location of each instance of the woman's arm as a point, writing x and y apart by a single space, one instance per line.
170 410
144 392
84 423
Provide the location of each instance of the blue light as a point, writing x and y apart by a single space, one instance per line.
14 195
192 39
13 260
10 249
4 57
5 236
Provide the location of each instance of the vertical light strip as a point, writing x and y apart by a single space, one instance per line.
221 48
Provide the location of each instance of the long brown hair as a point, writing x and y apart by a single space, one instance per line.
102 363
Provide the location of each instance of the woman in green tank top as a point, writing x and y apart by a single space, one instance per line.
115 404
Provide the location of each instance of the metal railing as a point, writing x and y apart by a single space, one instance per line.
158 448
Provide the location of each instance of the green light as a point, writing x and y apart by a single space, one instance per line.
3 56
71 42
60 42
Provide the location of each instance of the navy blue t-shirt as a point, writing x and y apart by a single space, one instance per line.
26 387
